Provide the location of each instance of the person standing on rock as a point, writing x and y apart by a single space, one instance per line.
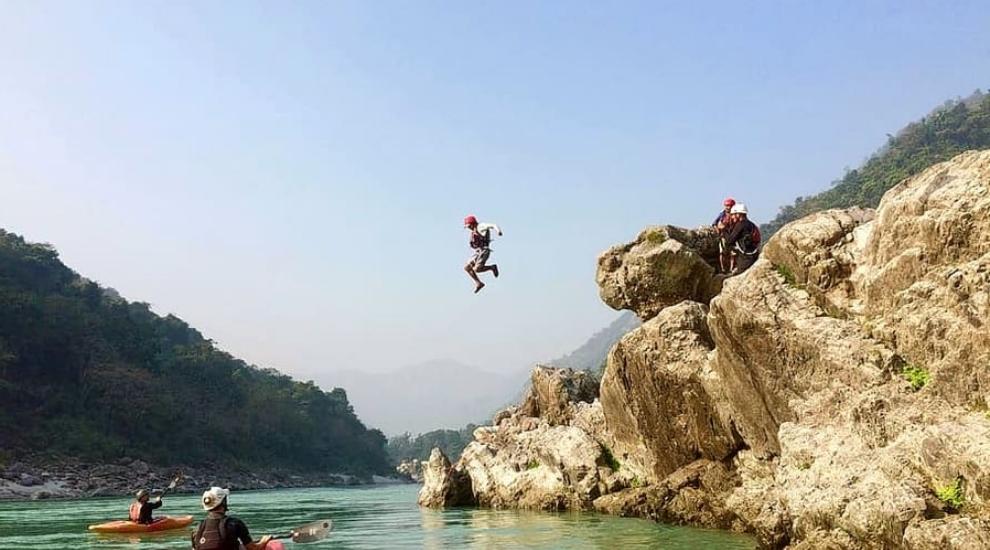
481 238
220 531
743 240
141 509
722 224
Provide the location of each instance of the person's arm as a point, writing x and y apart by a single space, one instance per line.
718 219
260 545
243 535
487 226
155 504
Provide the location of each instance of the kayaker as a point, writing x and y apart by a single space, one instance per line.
141 509
220 531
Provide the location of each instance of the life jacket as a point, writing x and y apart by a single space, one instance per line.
749 244
212 535
481 239
134 512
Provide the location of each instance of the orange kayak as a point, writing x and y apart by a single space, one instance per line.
165 523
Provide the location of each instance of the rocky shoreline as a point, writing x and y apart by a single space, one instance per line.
46 479
835 395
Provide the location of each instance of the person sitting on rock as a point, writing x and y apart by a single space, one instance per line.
220 531
743 240
481 238
722 224
141 509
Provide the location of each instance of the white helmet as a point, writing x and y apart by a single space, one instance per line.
214 497
739 208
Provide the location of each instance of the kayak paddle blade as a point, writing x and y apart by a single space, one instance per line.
312 532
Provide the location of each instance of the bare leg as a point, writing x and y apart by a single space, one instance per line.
493 268
478 285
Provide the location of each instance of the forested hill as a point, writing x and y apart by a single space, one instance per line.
86 373
955 127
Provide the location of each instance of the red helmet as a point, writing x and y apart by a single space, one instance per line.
729 202
470 221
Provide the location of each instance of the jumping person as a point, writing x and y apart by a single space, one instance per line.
220 531
481 239
723 224
743 240
142 507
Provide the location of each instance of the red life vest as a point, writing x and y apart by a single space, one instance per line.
481 240
134 512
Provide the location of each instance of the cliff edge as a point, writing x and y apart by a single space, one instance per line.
833 395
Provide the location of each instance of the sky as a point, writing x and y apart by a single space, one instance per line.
291 178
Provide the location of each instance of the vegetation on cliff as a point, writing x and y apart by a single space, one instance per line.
956 126
86 373
451 442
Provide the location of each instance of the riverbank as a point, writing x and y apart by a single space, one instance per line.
48 479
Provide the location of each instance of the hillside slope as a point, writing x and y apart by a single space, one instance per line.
85 373
949 130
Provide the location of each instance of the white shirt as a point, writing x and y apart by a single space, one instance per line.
482 227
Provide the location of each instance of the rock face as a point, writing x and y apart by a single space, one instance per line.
443 485
653 396
553 391
834 395
663 266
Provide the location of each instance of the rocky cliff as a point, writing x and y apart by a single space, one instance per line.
834 395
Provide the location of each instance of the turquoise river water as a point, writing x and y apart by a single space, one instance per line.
377 517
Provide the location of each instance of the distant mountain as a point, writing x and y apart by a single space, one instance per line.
87 374
425 397
591 355
957 126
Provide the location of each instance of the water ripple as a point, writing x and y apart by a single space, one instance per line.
364 518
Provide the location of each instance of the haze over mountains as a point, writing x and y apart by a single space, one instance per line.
442 393
445 393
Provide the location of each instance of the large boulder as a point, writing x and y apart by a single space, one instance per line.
776 349
819 253
925 275
656 407
554 391
665 265
443 484
695 494
541 466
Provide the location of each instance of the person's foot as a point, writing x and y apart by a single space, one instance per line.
495 271
478 288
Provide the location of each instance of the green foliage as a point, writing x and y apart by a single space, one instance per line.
533 464
917 376
610 459
636 483
955 127
785 272
86 373
451 442
656 236
952 495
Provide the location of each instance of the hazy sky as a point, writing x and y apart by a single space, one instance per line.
291 177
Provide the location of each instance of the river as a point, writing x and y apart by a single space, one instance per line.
382 517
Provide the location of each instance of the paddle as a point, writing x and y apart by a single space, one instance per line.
178 479
311 532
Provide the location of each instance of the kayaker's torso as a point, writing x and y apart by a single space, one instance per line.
220 532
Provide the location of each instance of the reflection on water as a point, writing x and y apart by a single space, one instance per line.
364 518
